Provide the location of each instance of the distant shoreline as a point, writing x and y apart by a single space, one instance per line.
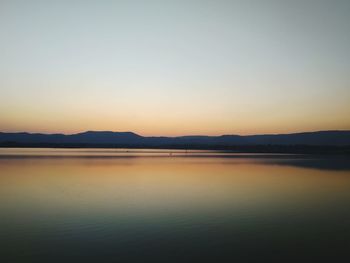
320 142
292 149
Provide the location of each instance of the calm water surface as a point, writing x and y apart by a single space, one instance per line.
96 205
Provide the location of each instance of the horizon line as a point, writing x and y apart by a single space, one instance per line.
232 134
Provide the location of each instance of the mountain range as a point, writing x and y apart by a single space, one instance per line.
130 139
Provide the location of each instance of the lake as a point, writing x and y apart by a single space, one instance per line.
120 205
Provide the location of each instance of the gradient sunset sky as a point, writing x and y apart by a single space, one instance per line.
175 67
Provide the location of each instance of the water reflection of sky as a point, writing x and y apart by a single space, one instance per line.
149 184
144 206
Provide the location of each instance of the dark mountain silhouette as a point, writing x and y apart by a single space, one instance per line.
130 139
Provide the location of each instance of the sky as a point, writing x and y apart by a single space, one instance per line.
175 67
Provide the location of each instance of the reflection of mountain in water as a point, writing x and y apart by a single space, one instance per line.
314 161
341 163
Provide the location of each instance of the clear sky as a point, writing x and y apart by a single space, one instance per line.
175 67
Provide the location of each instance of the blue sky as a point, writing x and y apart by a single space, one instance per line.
175 67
